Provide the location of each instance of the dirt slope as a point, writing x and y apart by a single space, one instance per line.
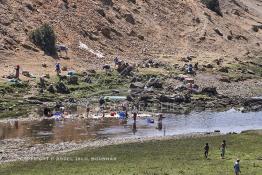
132 29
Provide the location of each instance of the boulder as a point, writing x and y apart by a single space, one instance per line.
132 1
256 28
106 31
92 71
210 66
107 2
42 82
137 85
87 79
250 72
229 37
30 47
51 89
26 74
129 98
152 63
115 91
225 79
224 69
145 98
72 100
141 37
101 12
253 104
72 80
136 79
211 91
218 32
132 33
129 18
213 5
252 101
171 99
121 67
154 82
179 99
35 102
181 88
62 88
187 98
125 69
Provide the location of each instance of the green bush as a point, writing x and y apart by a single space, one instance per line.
213 5
44 37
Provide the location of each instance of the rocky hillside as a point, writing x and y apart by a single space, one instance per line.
97 30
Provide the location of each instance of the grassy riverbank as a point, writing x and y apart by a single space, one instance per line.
184 156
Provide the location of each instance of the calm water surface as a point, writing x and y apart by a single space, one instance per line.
50 131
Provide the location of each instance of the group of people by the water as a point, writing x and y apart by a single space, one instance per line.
123 114
222 148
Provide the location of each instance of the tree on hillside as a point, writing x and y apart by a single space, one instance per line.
44 37
213 5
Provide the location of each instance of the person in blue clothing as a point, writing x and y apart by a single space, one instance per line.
190 69
58 68
237 167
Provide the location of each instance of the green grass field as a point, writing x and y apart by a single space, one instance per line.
184 156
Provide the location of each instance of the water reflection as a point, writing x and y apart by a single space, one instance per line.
50 131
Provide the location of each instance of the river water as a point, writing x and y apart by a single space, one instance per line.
77 130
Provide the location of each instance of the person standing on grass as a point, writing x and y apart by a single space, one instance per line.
237 167
223 149
206 148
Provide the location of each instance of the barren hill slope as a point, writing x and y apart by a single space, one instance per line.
131 29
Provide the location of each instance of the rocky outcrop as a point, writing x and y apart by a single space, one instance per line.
172 99
253 104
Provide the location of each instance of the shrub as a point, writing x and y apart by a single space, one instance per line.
213 5
44 37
